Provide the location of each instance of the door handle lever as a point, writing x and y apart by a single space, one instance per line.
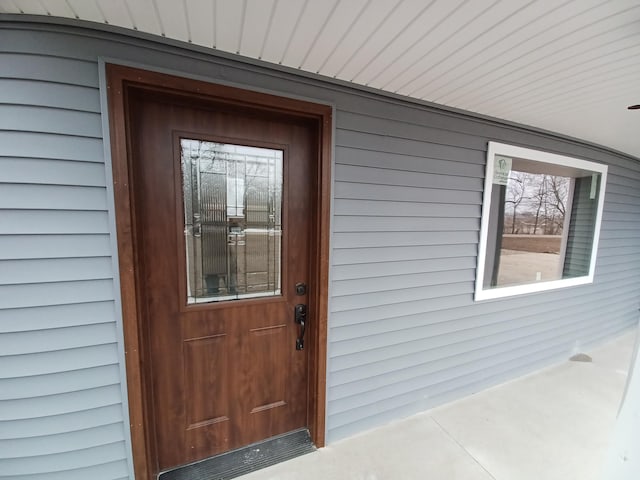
300 318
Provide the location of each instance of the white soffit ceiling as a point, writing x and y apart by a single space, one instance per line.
568 66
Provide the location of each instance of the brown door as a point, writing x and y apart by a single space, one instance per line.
223 207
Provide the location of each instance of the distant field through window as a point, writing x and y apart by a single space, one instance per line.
540 221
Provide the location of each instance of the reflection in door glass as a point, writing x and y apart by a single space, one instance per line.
233 220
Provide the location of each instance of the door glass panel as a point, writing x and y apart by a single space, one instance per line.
233 220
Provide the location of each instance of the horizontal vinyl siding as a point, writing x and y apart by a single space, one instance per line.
62 423
89 459
56 316
41 145
55 270
61 412
22 91
54 197
404 331
36 171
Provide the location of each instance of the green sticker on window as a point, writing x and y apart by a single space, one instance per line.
501 169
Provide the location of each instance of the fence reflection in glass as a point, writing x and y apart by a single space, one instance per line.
233 220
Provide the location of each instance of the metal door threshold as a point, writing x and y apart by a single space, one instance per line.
245 460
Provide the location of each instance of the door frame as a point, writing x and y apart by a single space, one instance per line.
119 79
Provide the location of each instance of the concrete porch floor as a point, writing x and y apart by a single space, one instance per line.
553 424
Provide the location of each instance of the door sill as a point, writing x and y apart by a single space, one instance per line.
245 460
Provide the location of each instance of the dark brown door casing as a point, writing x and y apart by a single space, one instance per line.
218 375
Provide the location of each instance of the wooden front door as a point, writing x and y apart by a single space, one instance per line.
224 219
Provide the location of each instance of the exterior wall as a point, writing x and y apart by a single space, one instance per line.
61 414
404 331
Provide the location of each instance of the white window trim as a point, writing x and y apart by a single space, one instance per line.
545 157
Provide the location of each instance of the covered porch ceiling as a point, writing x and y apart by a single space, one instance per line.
571 67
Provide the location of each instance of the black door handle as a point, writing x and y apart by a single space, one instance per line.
301 319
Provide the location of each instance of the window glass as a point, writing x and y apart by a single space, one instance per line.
540 223
233 220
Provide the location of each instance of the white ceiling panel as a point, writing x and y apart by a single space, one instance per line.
411 40
547 47
86 10
172 17
508 19
571 66
392 27
470 71
145 15
257 20
314 19
517 65
9 7
116 13
584 88
443 23
598 122
619 66
371 18
451 30
458 47
332 36
57 9
199 22
32 7
230 24
286 16
564 70
582 101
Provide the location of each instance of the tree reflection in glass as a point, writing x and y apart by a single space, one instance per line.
233 220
